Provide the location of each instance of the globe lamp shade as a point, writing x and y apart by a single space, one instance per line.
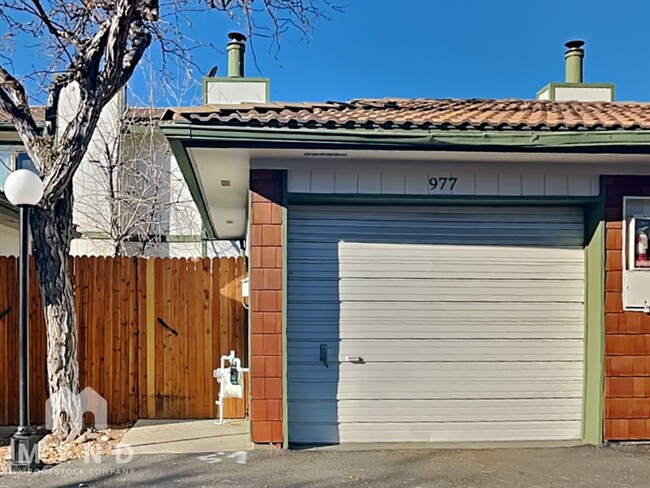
23 187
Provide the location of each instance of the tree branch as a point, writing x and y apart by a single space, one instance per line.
14 101
58 32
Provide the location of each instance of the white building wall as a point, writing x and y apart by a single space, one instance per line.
161 204
91 247
176 215
9 241
232 91
91 213
184 217
545 95
584 94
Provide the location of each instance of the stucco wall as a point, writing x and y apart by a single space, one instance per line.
8 241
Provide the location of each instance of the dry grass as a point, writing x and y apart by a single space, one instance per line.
51 455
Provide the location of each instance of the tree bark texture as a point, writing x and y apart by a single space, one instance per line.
52 234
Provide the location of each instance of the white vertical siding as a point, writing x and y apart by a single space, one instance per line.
362 179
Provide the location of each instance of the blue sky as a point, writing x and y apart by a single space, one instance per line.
431 48
453 48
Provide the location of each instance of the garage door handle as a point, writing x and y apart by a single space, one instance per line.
354 359
323 355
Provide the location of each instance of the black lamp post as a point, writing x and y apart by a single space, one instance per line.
24 189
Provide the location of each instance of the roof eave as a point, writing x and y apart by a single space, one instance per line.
183 136
194 185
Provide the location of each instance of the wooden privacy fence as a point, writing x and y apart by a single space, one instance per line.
151 331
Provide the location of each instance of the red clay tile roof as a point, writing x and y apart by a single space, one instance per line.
144 115
474 114
37 112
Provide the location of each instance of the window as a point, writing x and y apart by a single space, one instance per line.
637 230
636 236
6 164
24 162
13 157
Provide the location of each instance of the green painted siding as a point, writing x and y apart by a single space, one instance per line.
285 264
593 412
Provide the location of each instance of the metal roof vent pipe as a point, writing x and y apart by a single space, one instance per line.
233 87
236 51
574 89
574 58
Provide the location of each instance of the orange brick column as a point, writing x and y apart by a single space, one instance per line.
266 303
627 334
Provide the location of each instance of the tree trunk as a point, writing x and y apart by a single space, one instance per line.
52 234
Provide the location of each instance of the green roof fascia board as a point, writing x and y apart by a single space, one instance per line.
512 140
194 185
224 79
12 126
285 307
551 87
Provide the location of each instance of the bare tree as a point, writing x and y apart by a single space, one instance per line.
93 48
130 196
123 191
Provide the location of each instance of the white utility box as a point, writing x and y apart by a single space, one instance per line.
636 254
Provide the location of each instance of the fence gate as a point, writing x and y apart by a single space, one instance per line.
193 316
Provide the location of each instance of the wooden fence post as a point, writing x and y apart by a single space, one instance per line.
151 339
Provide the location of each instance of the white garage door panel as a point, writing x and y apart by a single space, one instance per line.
435 432
497 410
406 350
430 320
458 388
422 268
470 323
525 370
443 290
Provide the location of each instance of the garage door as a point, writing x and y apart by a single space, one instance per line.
434 324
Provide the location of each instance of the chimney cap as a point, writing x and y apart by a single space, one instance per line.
575 44
237 36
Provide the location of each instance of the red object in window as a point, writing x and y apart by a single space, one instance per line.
642 250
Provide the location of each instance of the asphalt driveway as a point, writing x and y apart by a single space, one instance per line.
613 466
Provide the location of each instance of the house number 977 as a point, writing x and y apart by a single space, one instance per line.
441 183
